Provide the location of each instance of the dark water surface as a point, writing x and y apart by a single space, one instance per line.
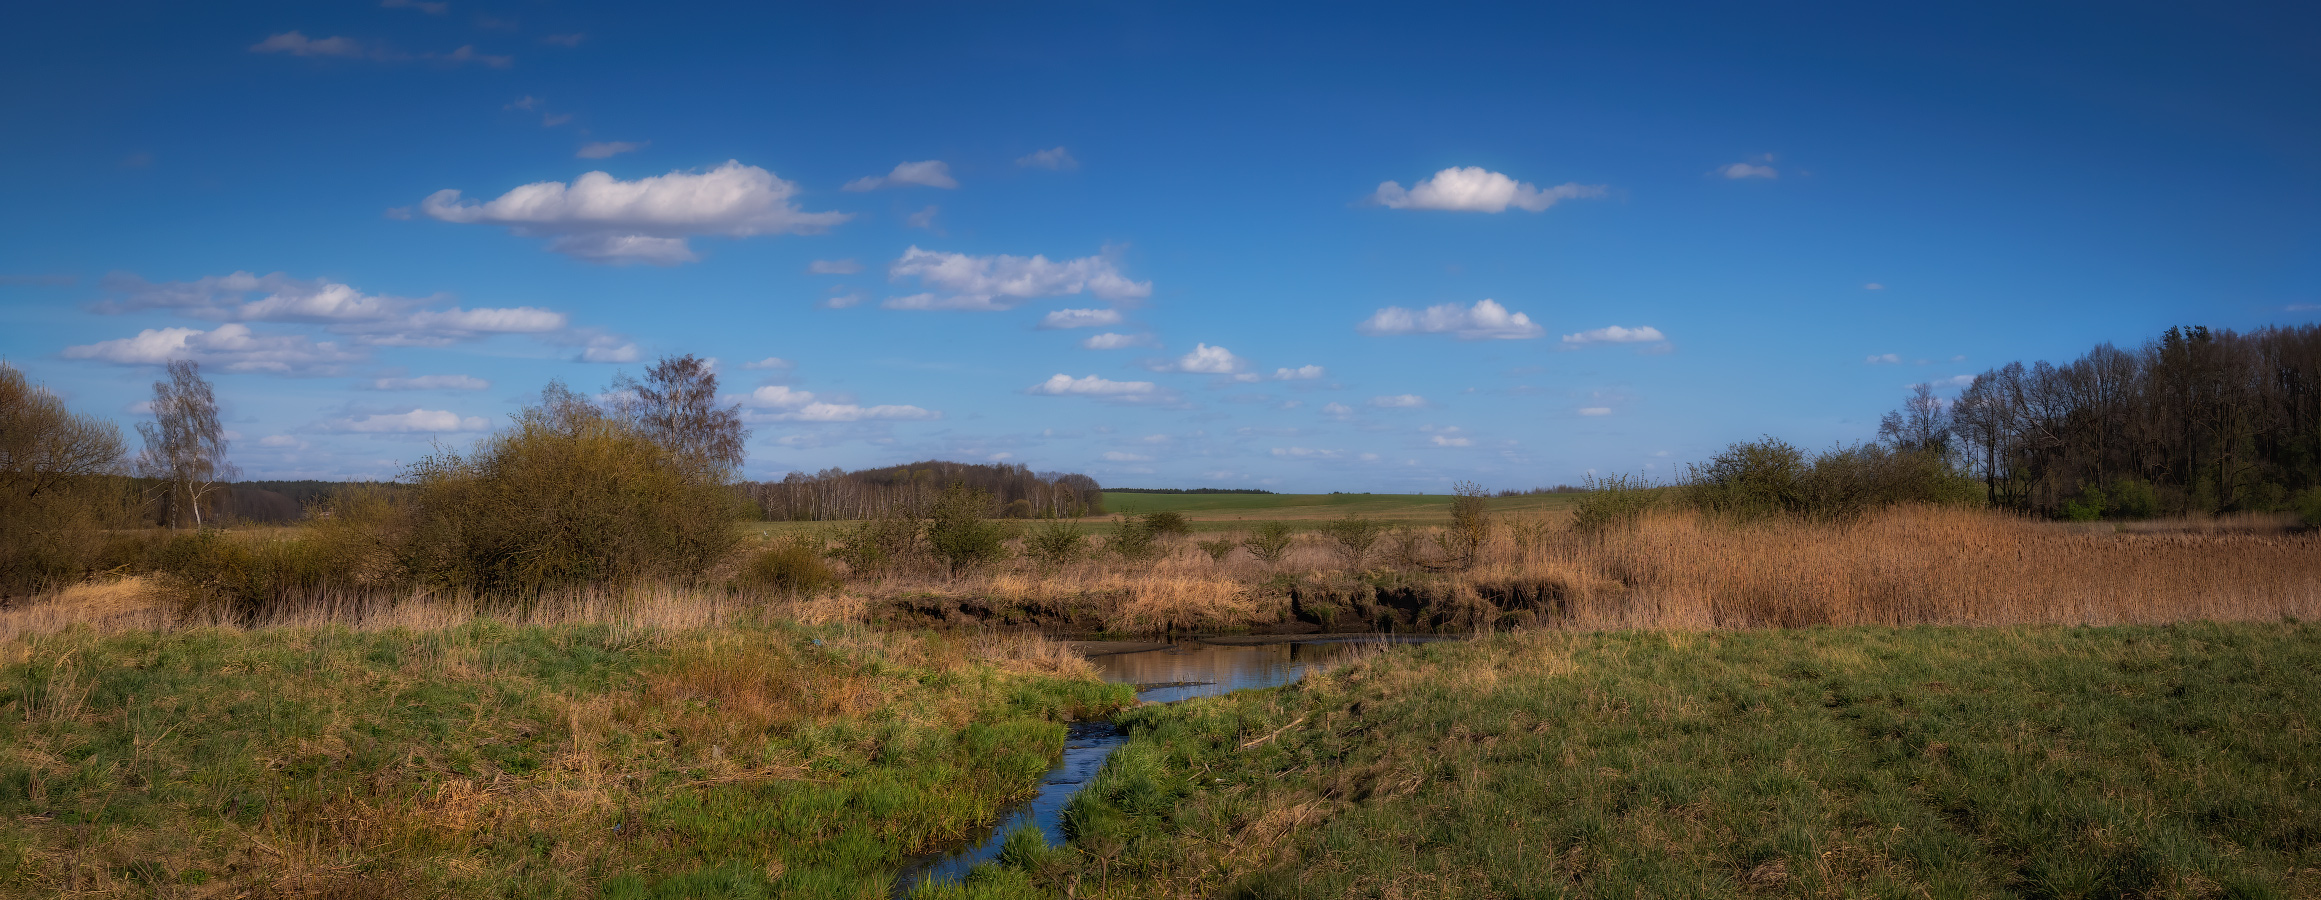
1181 671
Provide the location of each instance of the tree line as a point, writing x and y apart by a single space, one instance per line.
2195 421
910 491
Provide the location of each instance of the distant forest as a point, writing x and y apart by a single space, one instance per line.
908 490
1186 491
2198 421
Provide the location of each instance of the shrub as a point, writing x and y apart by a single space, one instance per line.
1167 523
1470 527
869 546
1055 542
2135 499
568 496
243 581
1018 508
1133 540
2087 507
1406 547
794 565
1217 549
1749 480
1849 482
1355 536
2308 506
960 532
1615 502
1269 542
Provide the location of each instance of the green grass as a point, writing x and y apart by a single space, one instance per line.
492 761
2182 761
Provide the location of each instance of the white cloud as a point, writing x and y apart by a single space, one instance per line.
1452 440
932 173
1615 334
1398 401
1306 453
1475 189
924 218
1117 456
1112 341
1485 320
1051 158
1080 318
415 421
1883 359
1748 170
1207 360
604 149
771 362
1595 410
1337 410
606 348
431 383
600 218
1301 373
1060 385
298 44
842 301
1954 381
800 406
1002 282
834 266
369 318
1873 286
232 346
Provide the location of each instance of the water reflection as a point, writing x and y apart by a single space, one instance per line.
1181 671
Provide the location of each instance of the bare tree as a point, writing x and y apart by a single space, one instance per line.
676 406
185 446
1919 426
45 447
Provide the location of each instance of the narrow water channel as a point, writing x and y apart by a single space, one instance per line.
1178 671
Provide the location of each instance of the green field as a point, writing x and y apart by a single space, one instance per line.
1234 512
2179 761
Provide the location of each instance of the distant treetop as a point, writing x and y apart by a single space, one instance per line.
1185 491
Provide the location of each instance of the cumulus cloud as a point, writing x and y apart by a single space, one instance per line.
793 405
1000 282
1615 334
1756 168
834 266
924 218
368 318
1337 410
771 362
417 421
1595 410
607 348
1051 158
1452 440
1475 189
1486 320
932 173
1307 453
232 346
600 218
1113 341
1080 318
1301 373
1207 360
603 149
298 44
1398 401
1883 359
431 383
1062 385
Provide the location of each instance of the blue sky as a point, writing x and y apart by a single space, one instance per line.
1154 243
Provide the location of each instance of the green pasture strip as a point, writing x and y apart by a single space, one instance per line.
497 761
2179 761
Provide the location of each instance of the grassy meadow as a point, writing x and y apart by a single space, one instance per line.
2176 761
497 760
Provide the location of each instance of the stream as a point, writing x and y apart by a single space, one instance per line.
1178 671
